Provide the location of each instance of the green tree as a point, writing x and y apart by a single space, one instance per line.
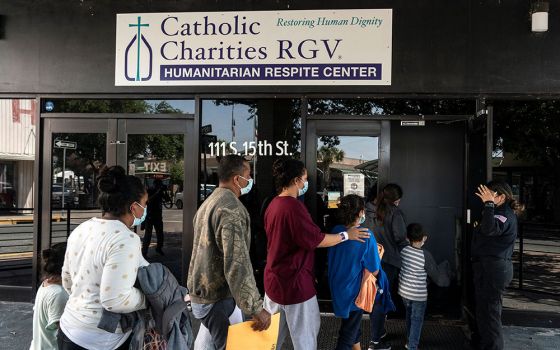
177 173
90 155
327 156
531 131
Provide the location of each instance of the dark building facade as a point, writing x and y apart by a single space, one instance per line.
449 60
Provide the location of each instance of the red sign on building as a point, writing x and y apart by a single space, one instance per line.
19 110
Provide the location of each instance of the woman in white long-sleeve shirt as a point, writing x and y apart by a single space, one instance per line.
101 264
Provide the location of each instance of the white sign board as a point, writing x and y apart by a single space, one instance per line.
317 47
354 184
65 144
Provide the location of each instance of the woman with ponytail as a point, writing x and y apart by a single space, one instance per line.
289 281
50 300
492 248
392 236
101 265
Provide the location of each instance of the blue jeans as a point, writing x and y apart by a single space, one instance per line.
350 331
217 321
414 320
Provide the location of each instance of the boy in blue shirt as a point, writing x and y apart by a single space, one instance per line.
347 262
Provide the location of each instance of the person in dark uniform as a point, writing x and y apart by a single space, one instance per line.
154 217
492 248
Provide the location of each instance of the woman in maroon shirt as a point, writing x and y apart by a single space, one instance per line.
292 239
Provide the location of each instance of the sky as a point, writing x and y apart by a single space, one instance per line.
360 146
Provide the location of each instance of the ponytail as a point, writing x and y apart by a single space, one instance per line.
386 199
517 207
285 171
118 190
502 187
53 259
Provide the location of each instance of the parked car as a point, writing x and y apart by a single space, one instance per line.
70 196
202 195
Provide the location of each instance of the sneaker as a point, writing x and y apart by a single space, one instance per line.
384 335
380 345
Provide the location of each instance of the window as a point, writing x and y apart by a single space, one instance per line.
17 154
117 106
261 130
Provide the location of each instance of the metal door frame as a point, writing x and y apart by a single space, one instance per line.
317 127
314 126
42 232
184 126
116 127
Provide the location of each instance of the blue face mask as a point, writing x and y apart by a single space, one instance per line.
138 221
362 219
246 189
301 191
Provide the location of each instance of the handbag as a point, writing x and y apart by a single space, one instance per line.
152 339
368 288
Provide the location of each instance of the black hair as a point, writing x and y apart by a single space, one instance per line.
230 166
386 199
372 194
349 209
415 232
285 171
53 259
502 187
118 190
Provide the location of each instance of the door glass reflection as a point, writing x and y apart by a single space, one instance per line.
345 165
158 160
77 160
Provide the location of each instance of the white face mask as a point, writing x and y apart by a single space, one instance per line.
140 220
301 191
246 189
362 219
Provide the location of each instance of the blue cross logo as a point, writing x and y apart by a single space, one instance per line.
139 38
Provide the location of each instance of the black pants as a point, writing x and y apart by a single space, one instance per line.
392 273
377 318
157 224
491 277
350 331
64 343
217 322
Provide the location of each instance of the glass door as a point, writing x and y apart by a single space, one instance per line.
154 151
342 157
76 149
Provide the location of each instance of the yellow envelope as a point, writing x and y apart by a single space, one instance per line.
242 337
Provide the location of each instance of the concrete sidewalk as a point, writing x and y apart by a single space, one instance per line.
16 332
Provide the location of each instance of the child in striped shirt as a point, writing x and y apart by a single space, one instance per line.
417 265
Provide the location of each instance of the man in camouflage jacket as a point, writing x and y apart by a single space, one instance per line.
220 272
